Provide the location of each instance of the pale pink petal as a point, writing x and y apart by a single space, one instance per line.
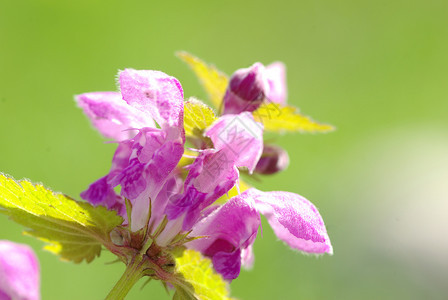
111 115
19 272
156 94
248 257
294 220
240 137
276 77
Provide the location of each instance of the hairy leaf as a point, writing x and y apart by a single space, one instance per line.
73 230
199 280
197 117
287 118
214 81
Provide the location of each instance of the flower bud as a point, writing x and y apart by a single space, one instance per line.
246 90
273 159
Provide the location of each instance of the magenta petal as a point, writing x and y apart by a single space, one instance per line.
156 94
132 181
240 137
211 175
19 272
229 228
153 178
111 115
100 193
294 220
228 264
276 77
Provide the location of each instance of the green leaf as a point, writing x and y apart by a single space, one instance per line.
198 278
214 81
73 230
197 117
287 118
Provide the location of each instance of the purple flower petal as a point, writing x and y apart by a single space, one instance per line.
276 77
211 175
111 115
101 193
19 272
156 94
294 219
154 176
229 229
228 264
240 137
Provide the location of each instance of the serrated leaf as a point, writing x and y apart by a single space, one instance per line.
287 118
73 230
197 117
200 279
214 81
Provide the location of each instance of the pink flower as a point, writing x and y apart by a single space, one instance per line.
232 228
238 142
146 120
144 161
19 272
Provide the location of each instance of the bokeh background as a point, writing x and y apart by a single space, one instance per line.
377 70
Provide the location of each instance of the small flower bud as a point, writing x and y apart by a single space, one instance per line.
273 159
247 89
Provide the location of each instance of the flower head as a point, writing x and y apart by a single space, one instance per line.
170 199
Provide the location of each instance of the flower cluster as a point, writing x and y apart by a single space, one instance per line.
173 184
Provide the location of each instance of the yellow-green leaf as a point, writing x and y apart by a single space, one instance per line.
214 81
73 230
199 279
287 118
197 117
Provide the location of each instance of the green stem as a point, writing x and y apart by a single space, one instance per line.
132 274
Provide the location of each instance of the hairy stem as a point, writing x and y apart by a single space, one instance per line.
132 274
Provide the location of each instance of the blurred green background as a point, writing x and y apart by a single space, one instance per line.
377 70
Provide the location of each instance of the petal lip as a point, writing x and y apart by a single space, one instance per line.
294 219
112 116
154 93
210 176
231 228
